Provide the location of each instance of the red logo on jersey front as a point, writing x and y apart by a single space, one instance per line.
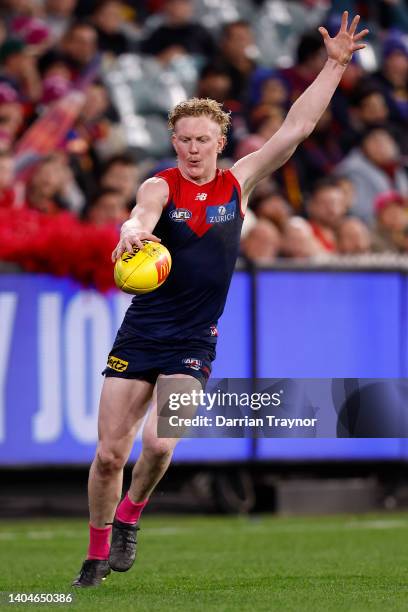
163 269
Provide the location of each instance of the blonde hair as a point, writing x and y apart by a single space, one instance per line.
197 107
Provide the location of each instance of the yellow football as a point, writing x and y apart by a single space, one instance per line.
144 270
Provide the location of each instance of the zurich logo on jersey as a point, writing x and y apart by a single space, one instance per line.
221 213
180 214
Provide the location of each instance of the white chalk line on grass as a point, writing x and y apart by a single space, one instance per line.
378 524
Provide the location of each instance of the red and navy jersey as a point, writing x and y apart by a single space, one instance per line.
201 227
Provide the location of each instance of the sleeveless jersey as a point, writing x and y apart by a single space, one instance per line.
201 227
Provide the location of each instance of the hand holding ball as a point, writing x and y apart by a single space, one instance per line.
144 270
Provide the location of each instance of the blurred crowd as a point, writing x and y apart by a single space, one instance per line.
85 88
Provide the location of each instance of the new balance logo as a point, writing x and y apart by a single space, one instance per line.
201 196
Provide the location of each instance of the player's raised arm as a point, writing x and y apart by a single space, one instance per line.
151 198
306 111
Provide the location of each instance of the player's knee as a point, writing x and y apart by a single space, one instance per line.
158 450
109 460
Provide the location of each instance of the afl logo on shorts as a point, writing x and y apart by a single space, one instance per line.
180 214
192 363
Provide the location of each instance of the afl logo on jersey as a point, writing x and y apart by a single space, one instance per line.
180 214
221 213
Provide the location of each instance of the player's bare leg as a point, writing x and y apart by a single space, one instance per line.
150 467
156 452
123 406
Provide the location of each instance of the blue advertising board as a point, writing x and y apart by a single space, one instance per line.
325 324
55 336
54 341
331 324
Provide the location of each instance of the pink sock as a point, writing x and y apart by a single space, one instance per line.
128 511
99 542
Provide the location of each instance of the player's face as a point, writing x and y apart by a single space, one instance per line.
197 142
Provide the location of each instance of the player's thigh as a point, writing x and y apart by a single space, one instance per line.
174 383
123 406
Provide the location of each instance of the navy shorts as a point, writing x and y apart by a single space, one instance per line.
134 358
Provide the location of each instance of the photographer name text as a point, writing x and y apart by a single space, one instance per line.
269 420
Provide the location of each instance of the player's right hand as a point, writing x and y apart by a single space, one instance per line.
129 237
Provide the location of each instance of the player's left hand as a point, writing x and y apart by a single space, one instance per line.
346 42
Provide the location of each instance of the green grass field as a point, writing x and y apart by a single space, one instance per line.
350 563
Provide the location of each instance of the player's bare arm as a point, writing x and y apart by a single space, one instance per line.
151 198
306 111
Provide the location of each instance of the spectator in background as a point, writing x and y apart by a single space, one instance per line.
11 116
273 92
238 55
108 17
261 244
121 173
179 33
310 59
18 68
74 53
45 186
79 47
347 187
54 63
8 198
267 87
325 209
299 241
272 207
353 237
107 207
265 120
214 82
319 154
392 77
374 167
58 16
97 105
94 138
391 229
368 107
